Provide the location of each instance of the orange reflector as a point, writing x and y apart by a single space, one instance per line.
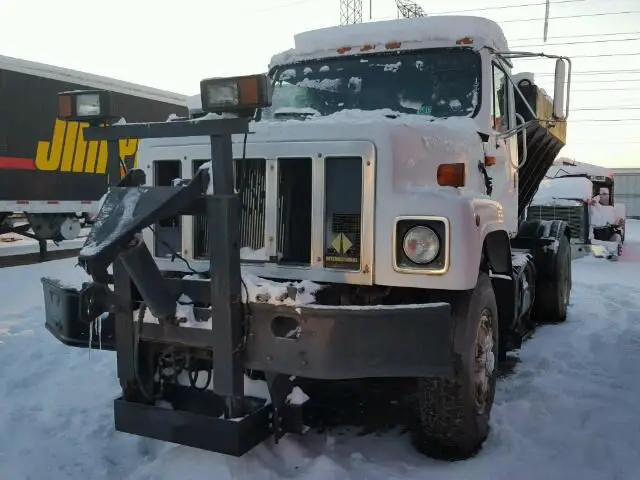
343 50
464 41
451 174
64 106
390 45
248 90
488 161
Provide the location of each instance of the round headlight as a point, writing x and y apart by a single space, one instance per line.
421 244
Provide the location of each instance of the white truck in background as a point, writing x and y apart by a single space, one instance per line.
583 195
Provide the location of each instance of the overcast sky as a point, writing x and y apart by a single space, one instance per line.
172 45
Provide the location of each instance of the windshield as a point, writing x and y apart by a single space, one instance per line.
436 82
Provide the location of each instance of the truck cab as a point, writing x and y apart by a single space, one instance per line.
583 195
372 226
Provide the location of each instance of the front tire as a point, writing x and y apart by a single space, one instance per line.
452 415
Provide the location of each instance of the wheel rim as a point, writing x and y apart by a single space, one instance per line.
485 361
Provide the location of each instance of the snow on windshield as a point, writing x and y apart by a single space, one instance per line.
437 82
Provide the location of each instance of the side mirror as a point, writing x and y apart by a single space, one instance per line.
559 90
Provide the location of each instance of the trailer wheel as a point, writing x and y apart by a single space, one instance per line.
554 291
452 415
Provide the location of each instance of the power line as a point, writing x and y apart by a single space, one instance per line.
601 91
484 9
596 72
579 36
586 42
609 80
598 120
604 142
604 109
598 55
601 14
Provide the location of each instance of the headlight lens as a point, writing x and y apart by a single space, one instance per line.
88 105
421 244
223 94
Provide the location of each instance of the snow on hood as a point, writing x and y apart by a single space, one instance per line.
415 32
557 191
416 143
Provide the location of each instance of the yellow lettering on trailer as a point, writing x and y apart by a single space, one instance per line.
68 151
81 150
48 154
69 148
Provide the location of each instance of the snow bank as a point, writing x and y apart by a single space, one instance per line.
562 191
412 32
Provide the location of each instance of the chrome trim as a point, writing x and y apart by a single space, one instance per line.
271 207
447 245
317 212
188 246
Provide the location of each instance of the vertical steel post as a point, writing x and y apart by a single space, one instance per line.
122 284
224 258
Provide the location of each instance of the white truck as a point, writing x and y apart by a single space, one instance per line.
372 228
583 195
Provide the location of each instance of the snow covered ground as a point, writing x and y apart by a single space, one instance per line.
569 411
13 244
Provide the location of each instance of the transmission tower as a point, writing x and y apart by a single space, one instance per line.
408 9
350 12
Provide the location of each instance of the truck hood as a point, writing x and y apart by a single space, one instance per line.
409 148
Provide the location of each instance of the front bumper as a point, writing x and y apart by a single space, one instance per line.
66 322
328 342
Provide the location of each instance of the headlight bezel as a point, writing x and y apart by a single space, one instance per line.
402 263
70 106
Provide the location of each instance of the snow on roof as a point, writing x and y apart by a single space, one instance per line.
567 166
554 191
412 32
90 80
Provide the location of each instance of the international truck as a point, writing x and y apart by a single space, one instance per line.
583 195
49 175
355 215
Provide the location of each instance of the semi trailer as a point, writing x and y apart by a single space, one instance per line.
357 213
51 178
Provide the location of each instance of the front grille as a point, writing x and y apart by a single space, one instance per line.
343 206
250 183
573 215
293 224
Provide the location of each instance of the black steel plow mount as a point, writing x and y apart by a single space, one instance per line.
151 355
